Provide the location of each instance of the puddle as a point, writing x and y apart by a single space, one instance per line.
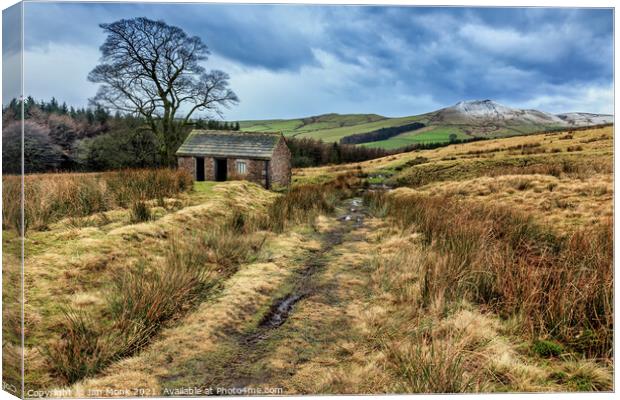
280 310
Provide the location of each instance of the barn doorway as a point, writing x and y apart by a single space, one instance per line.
266 175
200 169
221 168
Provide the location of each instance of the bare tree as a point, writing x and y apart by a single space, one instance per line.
152 69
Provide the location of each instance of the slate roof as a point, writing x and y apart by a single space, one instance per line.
201 143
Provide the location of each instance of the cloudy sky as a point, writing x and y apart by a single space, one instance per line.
292 61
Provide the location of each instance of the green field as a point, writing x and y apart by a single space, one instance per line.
276 125
424 135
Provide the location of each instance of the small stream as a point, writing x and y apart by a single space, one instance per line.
354 213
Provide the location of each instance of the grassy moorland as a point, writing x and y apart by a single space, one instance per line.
53 197
333 127
562 178
99 286
486 268
310 125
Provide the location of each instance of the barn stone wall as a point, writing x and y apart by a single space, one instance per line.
188 164
209 169
254 170
280 165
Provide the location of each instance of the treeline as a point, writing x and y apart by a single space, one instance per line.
212 124
380 134
32 108
62 138
436 145
83 122
308 152
51 133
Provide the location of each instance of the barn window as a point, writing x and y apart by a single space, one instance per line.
241 167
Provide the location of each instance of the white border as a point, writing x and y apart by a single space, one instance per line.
475 3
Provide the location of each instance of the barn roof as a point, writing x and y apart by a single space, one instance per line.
202 143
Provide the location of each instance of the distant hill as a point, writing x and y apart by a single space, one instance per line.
310 125
586 119
465 119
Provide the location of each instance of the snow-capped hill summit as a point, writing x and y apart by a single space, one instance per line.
482 109
489 112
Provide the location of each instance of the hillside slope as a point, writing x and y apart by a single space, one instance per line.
564 178
466 119
309 125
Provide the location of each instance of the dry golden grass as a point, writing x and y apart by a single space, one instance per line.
566 191
535 174
447 346
52 197
11 313
205 330
319 351
596 149
502 258
69 266
303 203
365 330
564 203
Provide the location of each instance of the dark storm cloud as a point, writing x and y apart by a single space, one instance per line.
379 59
482 52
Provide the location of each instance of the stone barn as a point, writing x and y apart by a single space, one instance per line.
263 158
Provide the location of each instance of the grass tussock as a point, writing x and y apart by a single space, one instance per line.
561 286
52 197
427 365
82 350
229 247
430 342
420 354
140 212
303 203
139 302
376 203
142 299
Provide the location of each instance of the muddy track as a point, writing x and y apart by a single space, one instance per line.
351 215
